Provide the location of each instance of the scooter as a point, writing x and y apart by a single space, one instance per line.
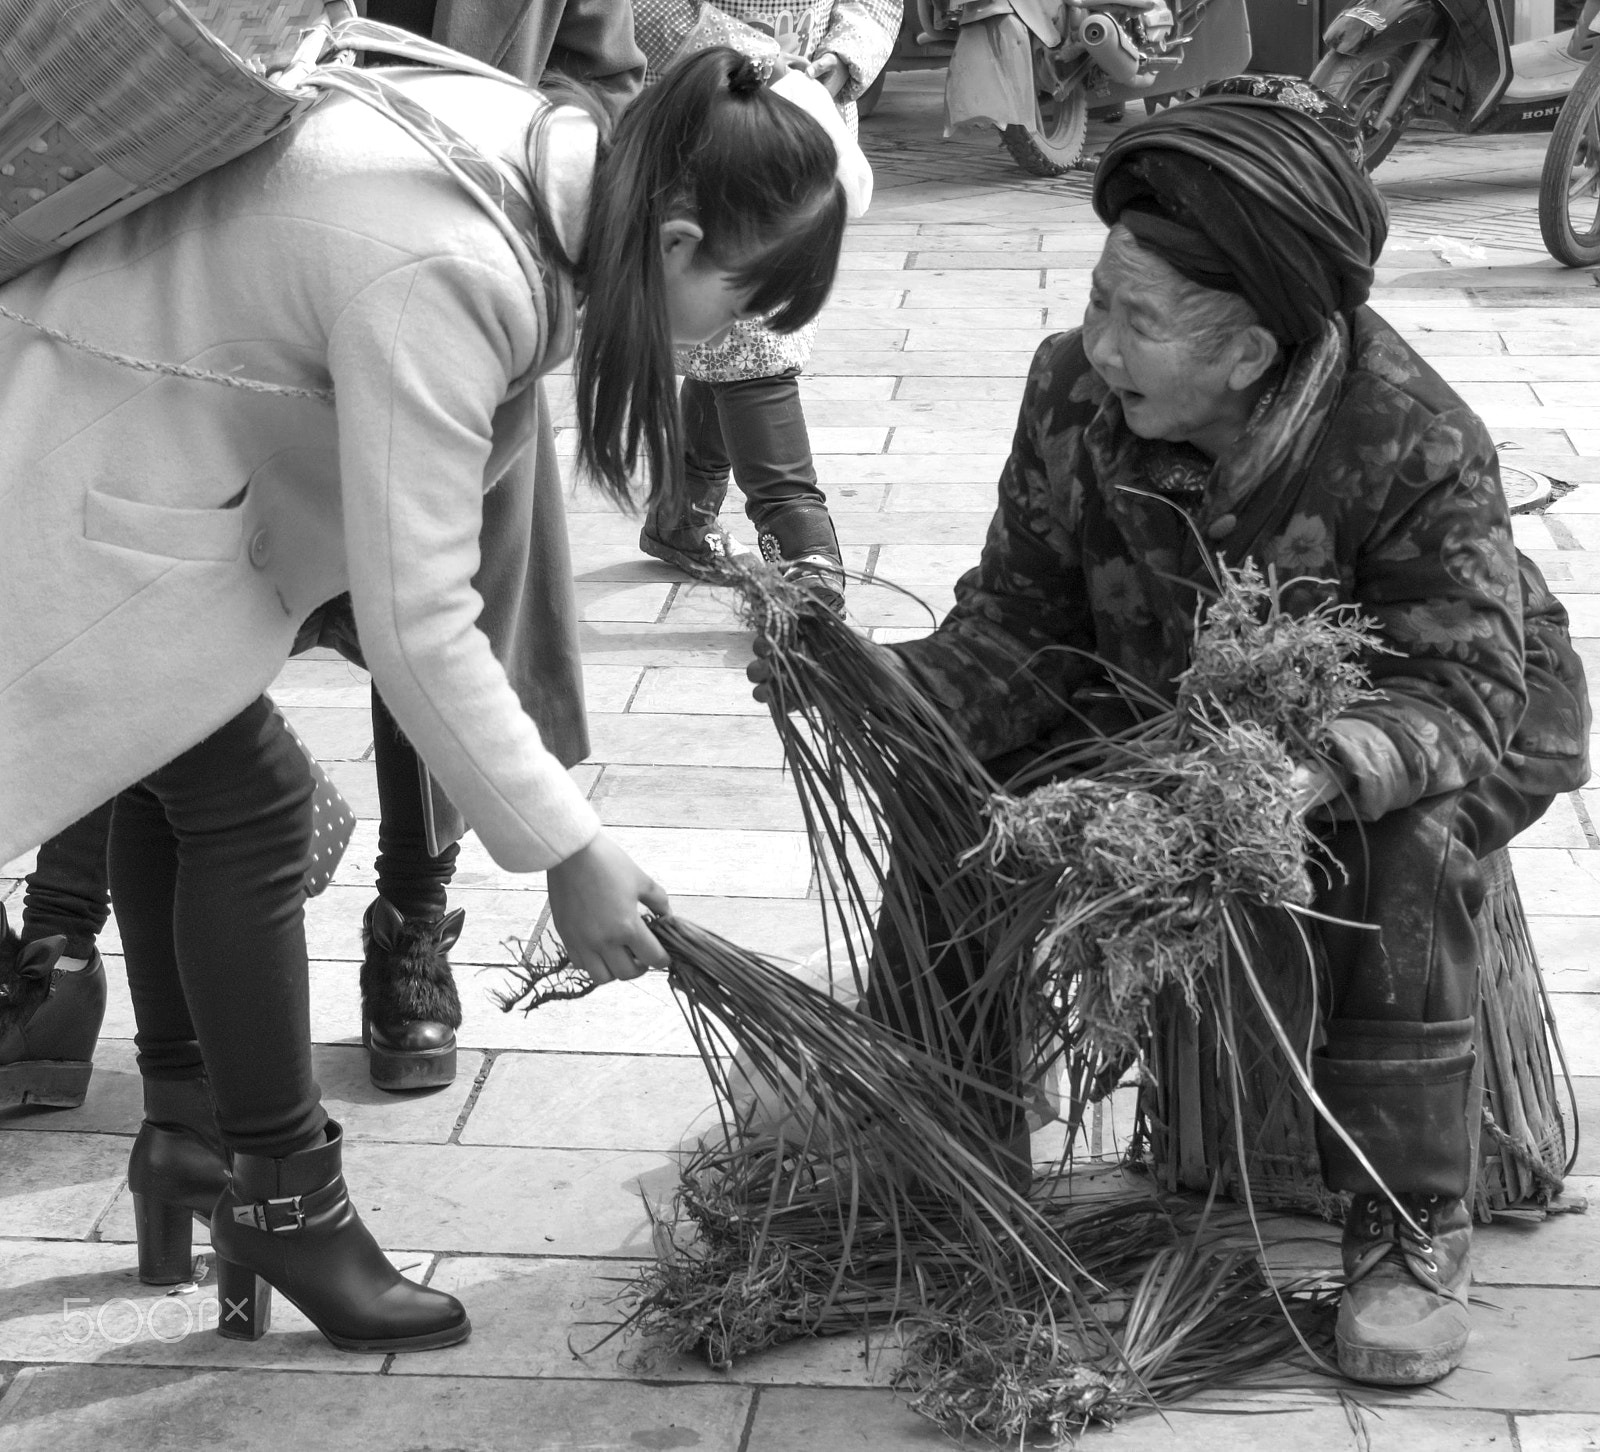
1034 69
1391 61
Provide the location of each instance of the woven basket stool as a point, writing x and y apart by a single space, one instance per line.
1188 1132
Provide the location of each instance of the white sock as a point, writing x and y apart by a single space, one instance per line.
71 965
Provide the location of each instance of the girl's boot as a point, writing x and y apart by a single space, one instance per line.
410 1009
289 1224
802 540
49 1022
686 531
177 1170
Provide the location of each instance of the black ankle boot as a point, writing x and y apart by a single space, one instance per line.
289 1224
176 1171
410 1010
49 1022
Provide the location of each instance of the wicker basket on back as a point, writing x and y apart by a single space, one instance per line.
107 104
1189 1133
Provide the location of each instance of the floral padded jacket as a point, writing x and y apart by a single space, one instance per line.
860 32
1363 472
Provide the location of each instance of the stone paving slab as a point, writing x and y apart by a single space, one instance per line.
116 1105
87 1409
84 1303
58 1186
592 1101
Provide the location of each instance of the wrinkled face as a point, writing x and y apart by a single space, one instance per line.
1167 388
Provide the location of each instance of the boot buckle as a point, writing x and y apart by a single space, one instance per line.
282 1216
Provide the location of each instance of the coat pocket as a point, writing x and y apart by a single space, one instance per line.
161 529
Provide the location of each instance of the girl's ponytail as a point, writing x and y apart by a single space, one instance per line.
758 176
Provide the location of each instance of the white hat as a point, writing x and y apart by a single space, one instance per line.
855 171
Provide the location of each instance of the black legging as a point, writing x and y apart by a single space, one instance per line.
67 892
207 862
414 882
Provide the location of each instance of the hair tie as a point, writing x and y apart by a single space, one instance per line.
746 76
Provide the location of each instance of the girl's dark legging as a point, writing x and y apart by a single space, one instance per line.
755 429
67 892
207 866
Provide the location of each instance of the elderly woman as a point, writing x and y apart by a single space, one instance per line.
1230 394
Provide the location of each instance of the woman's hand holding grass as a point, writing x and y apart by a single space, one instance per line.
595 896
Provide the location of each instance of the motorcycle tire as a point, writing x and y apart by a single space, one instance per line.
1571 176
1362 82
1053 145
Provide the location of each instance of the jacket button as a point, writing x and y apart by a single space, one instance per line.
260 548
1222 526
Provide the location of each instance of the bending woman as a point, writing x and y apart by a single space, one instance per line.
167 537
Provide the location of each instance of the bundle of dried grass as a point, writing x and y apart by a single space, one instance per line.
1068 909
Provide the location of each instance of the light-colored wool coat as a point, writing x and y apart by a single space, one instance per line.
163 539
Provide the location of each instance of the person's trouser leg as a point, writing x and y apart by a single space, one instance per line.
1403 978
767 444
208 860
413 880
66 892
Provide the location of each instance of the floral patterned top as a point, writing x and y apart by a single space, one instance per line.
1365 474
860 32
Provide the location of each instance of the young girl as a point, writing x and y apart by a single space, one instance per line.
741 394
167 536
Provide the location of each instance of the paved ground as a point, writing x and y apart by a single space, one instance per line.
519 1187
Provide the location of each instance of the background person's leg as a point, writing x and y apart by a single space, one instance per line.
410 1008
67 891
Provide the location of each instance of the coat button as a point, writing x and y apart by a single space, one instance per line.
1222 526
260 548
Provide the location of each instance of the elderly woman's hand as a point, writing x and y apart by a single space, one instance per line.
759 672
1314 785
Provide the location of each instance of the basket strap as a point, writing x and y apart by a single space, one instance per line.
484 179
373 38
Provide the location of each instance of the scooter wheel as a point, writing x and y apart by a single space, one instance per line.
1569 186
1362 83
1053 145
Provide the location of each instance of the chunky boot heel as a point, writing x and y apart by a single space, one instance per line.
176 1171
290 1222
166 1241
244 1303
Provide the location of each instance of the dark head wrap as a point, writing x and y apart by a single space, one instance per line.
1251 188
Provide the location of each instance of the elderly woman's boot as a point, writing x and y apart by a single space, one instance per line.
1403 1318
410 1009
176 1171
49 1022
288 1224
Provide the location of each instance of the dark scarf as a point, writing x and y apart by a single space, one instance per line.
1251 189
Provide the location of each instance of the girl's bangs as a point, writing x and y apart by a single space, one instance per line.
792 279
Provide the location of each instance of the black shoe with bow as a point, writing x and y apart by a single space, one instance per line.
49 1022
410 1009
